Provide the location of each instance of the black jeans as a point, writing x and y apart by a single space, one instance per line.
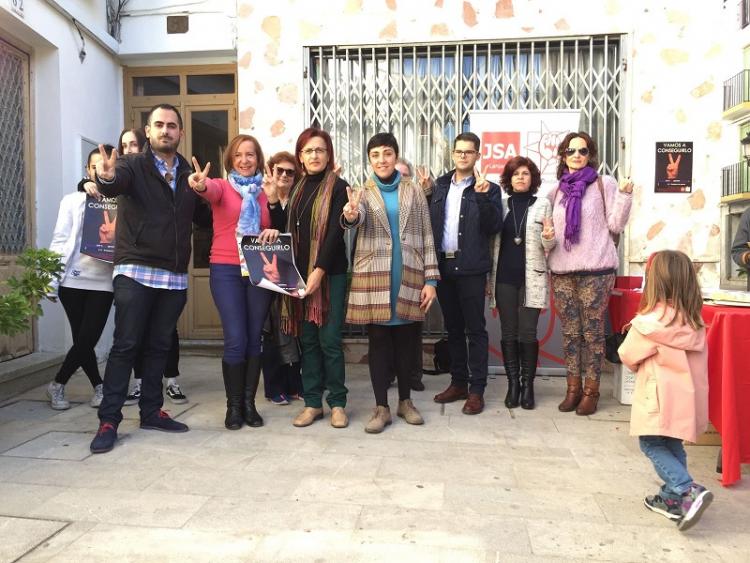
87 311
462 302
392 346
138 308
172 369
517 323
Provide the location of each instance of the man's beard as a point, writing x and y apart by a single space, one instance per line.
165 145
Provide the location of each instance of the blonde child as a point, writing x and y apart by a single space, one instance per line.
666 346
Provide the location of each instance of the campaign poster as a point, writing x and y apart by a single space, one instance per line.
272 266
674 167
98 230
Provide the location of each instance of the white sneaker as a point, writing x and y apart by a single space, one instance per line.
56 394
96 398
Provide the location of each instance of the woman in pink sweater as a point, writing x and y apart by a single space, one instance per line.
587 210
239 207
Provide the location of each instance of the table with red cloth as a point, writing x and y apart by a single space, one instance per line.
728 341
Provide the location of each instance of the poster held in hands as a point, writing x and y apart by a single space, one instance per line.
98 230
272 266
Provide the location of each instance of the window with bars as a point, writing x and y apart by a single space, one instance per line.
423 93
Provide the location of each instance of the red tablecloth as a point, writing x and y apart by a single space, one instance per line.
728 341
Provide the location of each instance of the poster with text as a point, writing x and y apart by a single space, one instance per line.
533 134
98 230
674 167
272 266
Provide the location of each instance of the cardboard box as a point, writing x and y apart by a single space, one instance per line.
624 384
709 438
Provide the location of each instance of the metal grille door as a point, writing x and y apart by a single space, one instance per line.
423 93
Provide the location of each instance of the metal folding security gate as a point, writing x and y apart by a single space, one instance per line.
423 93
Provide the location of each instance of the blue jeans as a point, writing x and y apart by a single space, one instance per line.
670 461
243 309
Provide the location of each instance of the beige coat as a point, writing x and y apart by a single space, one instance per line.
370 293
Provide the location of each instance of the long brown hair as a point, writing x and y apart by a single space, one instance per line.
671 280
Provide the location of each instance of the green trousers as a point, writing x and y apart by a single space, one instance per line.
323 352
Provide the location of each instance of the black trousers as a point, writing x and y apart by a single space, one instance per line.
518 323
172 368
138 308
87 311
462 302
392 346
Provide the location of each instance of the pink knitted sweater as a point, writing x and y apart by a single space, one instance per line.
595 250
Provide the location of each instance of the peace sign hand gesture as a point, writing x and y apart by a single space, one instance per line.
197 180
269 186
548 230
673 167
105 168
626 185
424 180
351 209
482 184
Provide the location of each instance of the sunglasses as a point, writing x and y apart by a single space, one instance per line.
288 172
582 151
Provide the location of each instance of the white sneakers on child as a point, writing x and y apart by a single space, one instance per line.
56 394
96 398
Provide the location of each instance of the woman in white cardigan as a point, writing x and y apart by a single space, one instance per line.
85 291
519 276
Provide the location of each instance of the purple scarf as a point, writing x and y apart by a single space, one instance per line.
572 185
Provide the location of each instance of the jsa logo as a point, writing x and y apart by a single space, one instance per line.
498 149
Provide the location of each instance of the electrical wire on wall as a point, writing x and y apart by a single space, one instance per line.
115 10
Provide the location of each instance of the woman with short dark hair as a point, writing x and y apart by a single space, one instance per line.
519 276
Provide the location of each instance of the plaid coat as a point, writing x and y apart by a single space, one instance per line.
370 292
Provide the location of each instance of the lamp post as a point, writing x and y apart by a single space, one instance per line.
745 142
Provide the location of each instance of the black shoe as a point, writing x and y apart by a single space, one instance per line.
234 385
176 395
510 361
105 438
529 357
252 377
162 421
417 385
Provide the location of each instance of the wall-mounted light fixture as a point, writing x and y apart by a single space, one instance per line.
745 142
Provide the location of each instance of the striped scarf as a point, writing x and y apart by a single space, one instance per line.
313 308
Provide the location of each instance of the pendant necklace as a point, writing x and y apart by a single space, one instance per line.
307 204
518 239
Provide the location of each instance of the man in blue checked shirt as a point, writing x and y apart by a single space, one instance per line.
152 251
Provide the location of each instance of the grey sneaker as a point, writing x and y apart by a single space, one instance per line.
96 398
56 394
694 503
666 507
134 395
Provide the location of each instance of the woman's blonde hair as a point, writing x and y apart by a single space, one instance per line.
671 280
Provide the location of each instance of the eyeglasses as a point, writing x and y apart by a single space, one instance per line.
464 153
316 150
289 172
583 151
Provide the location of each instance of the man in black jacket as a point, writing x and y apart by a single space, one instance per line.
466 210
152 251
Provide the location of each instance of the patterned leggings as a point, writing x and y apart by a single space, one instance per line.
581 303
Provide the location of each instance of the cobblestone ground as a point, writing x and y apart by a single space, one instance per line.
502 486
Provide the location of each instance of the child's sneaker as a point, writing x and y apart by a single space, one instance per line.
56 394
280 399
668 508
694 503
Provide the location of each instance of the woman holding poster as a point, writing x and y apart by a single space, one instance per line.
239 207
588 211
85 291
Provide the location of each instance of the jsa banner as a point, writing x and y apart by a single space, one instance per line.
533 134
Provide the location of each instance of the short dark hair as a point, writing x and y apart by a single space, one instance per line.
285 156
468 137
590 144
168 107
234 145
514 164
140 138
382 140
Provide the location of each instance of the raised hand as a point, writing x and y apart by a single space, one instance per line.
423 179
271 268
197 180
548 230
673 167
351 209
482 184
105 168
626 185
269 186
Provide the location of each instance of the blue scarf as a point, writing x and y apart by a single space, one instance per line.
572 185
249 188
387 187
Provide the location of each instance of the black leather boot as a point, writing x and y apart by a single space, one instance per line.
234 383
252 377
529 356
510 360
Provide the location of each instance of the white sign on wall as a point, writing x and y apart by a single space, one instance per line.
16 6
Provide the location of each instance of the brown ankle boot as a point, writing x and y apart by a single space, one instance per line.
573 395
590 398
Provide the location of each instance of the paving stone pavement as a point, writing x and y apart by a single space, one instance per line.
502 486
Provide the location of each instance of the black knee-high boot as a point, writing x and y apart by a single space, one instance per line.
529 356
234 383
510 360
252 377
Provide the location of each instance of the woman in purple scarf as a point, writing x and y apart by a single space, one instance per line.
588 210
